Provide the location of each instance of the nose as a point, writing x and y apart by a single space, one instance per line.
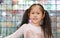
35 15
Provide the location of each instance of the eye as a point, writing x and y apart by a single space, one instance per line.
32 12
38 13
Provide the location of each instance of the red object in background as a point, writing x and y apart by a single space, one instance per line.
15 1
14 11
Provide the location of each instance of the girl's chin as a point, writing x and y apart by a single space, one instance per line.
35 22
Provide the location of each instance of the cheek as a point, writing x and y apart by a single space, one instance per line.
30 16
40 17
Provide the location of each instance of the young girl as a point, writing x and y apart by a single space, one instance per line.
36 23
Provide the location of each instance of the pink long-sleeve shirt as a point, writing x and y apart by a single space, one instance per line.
29 31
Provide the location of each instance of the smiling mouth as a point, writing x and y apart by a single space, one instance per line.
35 19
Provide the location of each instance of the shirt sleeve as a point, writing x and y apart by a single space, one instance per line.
18 33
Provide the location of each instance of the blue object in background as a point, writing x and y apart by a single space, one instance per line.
0 15
0 12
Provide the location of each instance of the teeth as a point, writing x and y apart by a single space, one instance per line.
34 18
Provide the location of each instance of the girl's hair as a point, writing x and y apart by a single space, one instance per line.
46 25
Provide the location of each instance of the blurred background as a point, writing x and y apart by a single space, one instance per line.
11 12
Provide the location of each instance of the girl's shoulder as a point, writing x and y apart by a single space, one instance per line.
24 25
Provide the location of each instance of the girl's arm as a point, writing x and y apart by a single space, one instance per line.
16 34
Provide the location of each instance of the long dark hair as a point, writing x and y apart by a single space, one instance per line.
46 26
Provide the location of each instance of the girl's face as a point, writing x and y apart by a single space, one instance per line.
36 14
